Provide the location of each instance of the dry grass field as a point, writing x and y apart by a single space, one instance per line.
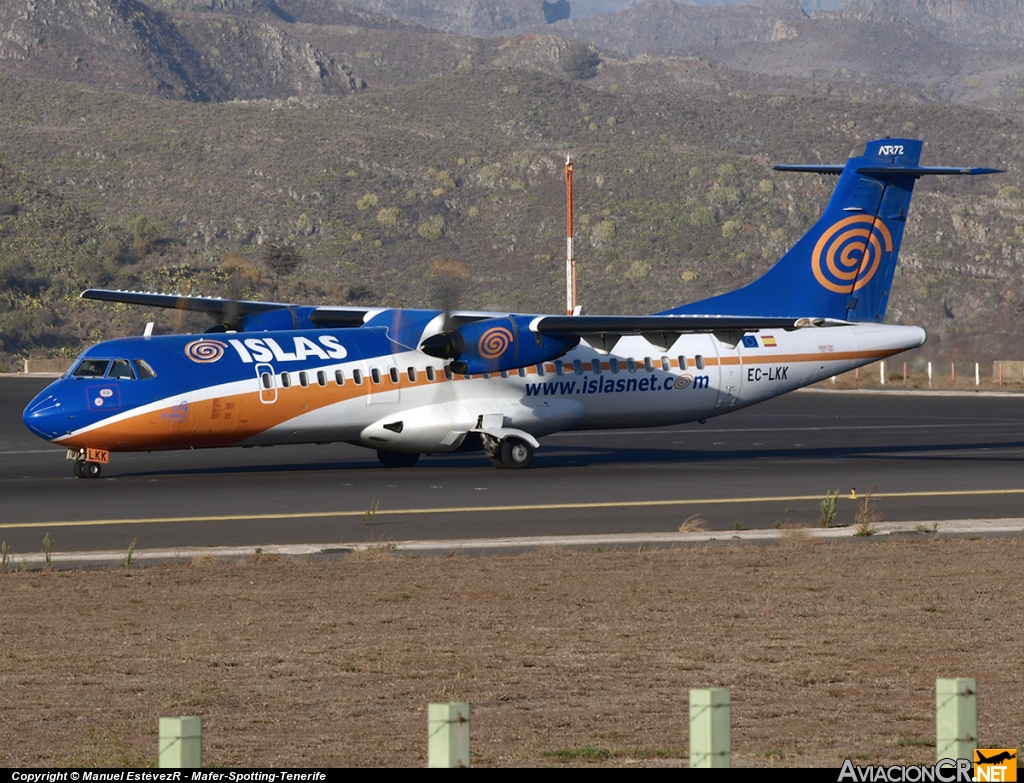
831 651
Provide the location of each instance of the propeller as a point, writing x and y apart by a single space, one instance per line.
447 279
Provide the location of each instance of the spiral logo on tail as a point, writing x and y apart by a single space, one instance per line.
494 342
205 351
847 256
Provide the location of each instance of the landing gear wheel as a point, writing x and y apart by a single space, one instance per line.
516 453
87 470
397 459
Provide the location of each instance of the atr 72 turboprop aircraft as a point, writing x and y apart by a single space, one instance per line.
412 382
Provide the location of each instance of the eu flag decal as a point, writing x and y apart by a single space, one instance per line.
749 341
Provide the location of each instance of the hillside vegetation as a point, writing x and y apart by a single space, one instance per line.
456 150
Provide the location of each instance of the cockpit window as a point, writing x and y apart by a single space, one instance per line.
91 368
121 368
145 371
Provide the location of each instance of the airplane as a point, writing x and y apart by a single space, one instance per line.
410 382
1005 755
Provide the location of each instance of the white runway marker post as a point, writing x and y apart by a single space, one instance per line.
956 718
181 743
710 727
448 735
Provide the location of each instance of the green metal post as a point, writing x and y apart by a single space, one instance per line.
181 743
710 727
956 718
448 735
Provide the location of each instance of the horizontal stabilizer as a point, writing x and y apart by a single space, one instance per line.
811 168
884 171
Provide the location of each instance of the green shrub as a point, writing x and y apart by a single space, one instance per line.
369 201
145 233
388 217
603 232
702 217
431 228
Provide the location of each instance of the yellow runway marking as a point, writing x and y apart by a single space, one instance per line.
491 509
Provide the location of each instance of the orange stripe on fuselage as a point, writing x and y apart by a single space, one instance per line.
226 420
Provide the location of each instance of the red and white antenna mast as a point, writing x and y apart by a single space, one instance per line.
570 260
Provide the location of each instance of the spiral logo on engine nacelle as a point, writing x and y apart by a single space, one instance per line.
847 256
683 382
205 351
494 342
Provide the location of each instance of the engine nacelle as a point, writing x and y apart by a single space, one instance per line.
497 344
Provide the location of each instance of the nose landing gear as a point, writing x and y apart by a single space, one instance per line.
88 462
85 469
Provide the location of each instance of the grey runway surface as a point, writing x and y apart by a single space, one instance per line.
927 457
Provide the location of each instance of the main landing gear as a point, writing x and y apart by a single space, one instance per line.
510 453
85 469
397 459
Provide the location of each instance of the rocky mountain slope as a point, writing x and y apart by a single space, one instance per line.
471 17
131 46
981 24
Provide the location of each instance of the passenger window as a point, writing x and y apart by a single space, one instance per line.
286 380
393 374
121 368
683 365
412 375
540 370
375 375
143 369
614 366
700 361
577 367
339 377
504 373
631 365
304 379
431 375
559 368
321 378
448 374
522 372
357 377
595 365
648 364
666 363
91 368
266 380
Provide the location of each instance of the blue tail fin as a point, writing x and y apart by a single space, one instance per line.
843 267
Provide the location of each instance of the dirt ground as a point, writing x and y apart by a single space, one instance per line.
831 651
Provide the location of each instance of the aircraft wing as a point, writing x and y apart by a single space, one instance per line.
679 324
602 332
199 304
239 313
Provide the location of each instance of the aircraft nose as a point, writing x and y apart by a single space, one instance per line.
46 416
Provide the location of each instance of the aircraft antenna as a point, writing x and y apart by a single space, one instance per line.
570 260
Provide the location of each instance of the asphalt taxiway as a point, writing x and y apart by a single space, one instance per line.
926 457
